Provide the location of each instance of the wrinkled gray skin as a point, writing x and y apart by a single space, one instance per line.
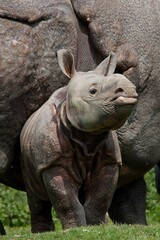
33 30
68 152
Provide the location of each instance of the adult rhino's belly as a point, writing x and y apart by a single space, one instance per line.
139 141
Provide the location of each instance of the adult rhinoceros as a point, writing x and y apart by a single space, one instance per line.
32 31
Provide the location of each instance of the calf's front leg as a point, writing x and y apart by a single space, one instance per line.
101 190
63 194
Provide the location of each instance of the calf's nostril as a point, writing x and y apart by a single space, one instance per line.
119 90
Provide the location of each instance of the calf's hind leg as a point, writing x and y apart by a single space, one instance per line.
41 218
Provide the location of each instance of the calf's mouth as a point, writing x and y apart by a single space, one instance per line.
125 100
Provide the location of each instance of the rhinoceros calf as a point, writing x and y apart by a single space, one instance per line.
70 156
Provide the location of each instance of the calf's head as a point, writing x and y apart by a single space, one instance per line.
97 100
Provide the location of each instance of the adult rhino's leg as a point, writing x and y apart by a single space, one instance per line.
41 218
11 175
2 230
100 194
63 194
157 177
129 203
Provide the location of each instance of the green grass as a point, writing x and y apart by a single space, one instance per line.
114 232
153 200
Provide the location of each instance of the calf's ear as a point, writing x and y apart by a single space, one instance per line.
108 65
66 62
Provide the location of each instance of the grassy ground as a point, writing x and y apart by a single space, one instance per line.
153 200
114 232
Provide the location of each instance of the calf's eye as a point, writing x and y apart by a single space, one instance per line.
93 91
